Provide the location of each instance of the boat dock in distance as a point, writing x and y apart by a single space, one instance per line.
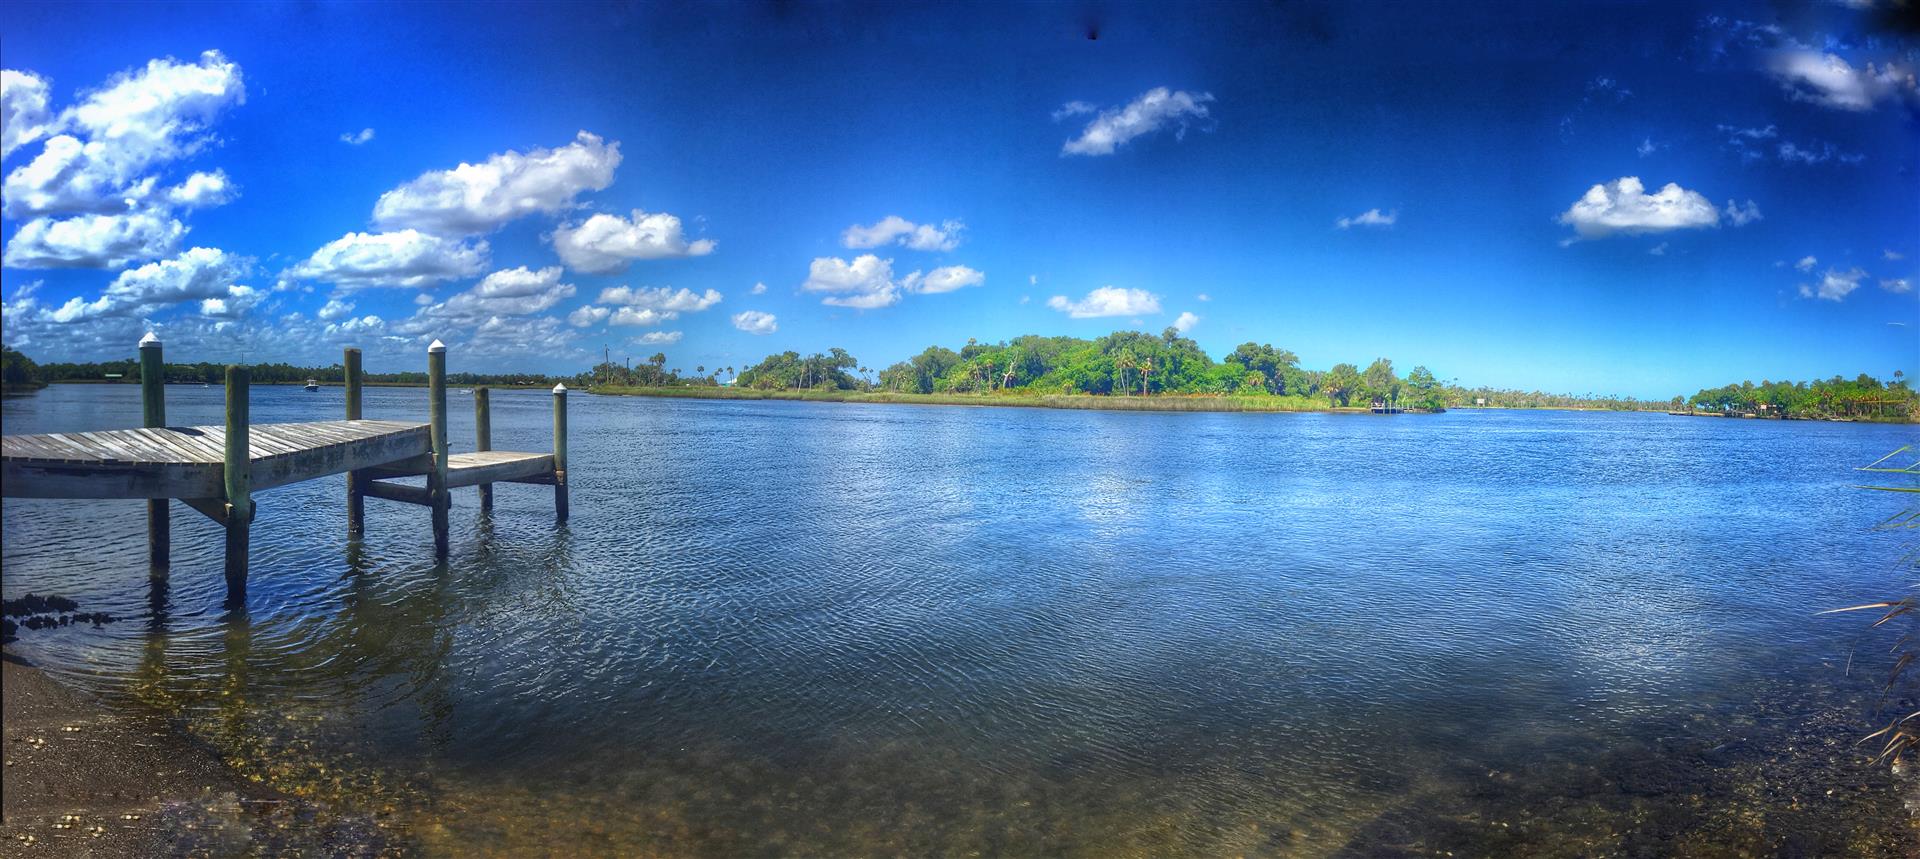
216 469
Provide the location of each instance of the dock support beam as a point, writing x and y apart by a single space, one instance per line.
356 495
239 483
437 418
483 438
153 409
560 451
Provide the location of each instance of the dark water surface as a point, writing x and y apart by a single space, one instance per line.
820 629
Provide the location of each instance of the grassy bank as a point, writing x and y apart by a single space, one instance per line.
1158 403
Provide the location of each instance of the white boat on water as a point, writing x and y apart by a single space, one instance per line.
313 384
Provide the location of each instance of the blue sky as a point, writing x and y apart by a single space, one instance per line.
1634 200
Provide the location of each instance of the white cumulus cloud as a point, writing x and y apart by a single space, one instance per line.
1896 285
943 279
588 315
1623 206
756 322
1155 109
868 281
606 244
641 316
508 292
138 120
25 110
407 258
199 275
477 198
1185 321
101 160
334 309
355 138
94 241
660 298
1108 301
865 283
1806 263
202 190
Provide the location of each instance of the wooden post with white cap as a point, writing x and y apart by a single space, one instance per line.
153 413
560 451
437 418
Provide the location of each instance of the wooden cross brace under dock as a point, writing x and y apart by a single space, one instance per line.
216 469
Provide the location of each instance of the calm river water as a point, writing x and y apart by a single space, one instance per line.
819 629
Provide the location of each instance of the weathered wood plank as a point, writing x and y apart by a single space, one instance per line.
339 459
48 479
187 462
467 469
398 492
214 508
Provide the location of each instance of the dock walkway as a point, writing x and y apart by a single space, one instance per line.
188 462
216 469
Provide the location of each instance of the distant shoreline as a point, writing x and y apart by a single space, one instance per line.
1160 403
1094 402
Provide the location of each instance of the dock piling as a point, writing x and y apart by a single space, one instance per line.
437 418
483 438
356 497
153 408
158 464
560 451
238 478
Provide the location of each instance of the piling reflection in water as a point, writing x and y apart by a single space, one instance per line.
779 628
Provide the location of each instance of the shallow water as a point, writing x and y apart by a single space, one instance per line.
778 628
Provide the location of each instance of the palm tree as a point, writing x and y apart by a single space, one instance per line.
1122 363
1146 374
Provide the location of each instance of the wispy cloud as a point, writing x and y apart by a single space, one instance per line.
356 138
1369 218
1835 285
894 229
1155 109
1830 81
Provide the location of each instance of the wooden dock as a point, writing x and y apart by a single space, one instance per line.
216 469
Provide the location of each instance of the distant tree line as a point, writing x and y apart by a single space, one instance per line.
1124 363
1860 397
22 371
653 373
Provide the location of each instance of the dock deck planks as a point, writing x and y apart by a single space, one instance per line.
188 462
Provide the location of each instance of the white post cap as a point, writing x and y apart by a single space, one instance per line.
436 346
559 388
151 339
